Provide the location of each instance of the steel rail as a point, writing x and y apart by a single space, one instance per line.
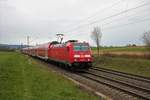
123 74
141 95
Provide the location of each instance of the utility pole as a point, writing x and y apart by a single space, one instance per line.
21 46
28 41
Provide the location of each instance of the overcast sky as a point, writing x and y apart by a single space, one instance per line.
42 19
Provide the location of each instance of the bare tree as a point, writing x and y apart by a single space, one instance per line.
146 38
96 36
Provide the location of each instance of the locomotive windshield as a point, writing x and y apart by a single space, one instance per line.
81 47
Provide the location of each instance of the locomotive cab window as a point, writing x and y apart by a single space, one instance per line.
81 47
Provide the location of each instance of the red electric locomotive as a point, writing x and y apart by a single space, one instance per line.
72 53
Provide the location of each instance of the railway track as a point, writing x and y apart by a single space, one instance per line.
127 75
132 84
97 75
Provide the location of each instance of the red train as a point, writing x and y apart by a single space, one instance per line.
72 54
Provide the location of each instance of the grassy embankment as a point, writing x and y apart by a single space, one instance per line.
22 78
125 59
136 66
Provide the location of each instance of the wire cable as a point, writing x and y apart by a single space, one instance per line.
114 15
93 15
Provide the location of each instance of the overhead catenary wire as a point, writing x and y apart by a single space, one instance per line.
121 19
103 10
120 13
111 17
114 15
93 15
121 25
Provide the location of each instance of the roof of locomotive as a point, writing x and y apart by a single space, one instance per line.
54 44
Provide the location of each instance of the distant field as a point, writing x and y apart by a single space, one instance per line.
133 52
119 49
22 78
129 65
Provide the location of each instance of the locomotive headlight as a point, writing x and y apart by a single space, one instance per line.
87 55
75 59
76 56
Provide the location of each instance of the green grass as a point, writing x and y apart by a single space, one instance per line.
22 78
119 49
129 65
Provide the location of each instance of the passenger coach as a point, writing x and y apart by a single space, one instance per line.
72 53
